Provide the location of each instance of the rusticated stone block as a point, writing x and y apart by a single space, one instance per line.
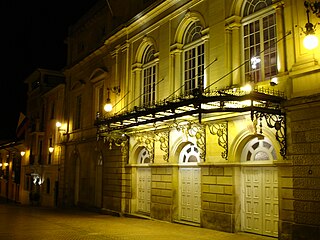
307 218
315 148
161 212
306 171
298 137
306 194
305 232
218 221
305 160
306 182
299 148
312 136
216 171
302 206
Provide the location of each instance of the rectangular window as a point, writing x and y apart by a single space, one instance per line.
77 118
260 49
193 69
149 85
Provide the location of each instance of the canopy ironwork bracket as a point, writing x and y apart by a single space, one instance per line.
278 122
221 130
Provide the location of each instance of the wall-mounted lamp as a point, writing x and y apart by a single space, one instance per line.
60 128
310 41
108 106
22 153
58 124
274 81
51 149
0 165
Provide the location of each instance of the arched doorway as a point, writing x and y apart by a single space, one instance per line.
143 182
189 184
260 204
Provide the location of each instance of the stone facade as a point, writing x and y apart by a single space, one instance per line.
246 168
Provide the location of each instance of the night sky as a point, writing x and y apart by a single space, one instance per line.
32 35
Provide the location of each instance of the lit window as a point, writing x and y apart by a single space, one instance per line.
259 36
144 156
149 77
193 59
189 154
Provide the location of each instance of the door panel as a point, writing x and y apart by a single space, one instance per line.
144 190
260 200
190 194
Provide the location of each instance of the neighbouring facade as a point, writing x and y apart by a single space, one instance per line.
186 141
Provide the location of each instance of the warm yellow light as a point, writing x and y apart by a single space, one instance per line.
108 107
0 164
22 153
58 124
6 164
51 149
246 88
310 41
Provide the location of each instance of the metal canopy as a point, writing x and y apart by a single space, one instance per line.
200 105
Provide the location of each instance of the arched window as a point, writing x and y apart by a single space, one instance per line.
144 156
259 40
193 58
258 150
189 154
149 77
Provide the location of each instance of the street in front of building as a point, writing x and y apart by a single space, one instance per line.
30 223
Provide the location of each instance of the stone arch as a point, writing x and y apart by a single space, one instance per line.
177 147
190 16
236 7
135 151
244 136
147 41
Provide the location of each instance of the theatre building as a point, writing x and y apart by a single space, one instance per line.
212 114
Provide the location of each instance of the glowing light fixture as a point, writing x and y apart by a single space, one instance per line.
51 149
22 153
58 124
108 105
310 41
274 81
254 62
246 88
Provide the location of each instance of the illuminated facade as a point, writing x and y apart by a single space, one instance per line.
185 141
41 164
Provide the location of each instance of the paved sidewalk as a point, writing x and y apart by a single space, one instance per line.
35 223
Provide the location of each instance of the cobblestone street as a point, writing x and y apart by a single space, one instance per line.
36 223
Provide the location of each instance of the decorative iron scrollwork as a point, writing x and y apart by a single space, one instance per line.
221 130
163 138
278 122
147 140
196 130
120 140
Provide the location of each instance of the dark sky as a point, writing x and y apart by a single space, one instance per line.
32 36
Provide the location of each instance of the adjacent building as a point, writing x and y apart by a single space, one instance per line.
214 120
